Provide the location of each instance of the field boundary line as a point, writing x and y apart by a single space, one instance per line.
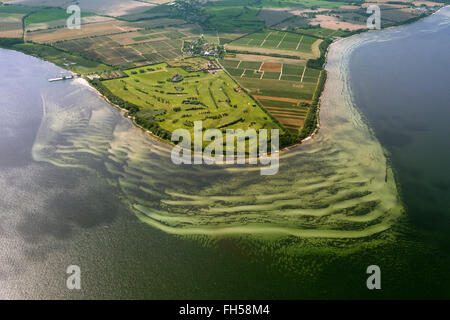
121 56
299 41
138 52
281 99
281 40
303 74
265 39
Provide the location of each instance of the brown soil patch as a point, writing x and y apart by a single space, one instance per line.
89 30
290 110
292 122
271 67
301 55
16 33
332 22
427 3
290 115
300 11
315 47
282 99
11 27
255 57
127 38
348 7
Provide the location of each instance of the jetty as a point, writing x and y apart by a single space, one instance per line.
64 77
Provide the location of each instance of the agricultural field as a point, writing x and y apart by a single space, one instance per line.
290 113
88 30
231 17
113 74
113 8
109 51
157 23
10 7
322 33
63 22
176 97
272 16
156 11
118 43
64 59
143 36
279 67
49 14
284 89
11 25
277 42
303 4
222 38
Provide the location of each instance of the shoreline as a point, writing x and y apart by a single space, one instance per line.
333 43
284 150
123 111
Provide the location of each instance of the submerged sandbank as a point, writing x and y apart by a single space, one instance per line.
336 185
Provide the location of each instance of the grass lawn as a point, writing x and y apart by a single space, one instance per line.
198 96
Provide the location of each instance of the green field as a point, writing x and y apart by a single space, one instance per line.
16 9
278 40
322 33
250 69
63 59
292 69
199 96
271 75
49 14
231 18
279 3
279 88
303 4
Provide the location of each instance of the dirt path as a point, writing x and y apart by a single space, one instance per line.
282 99
256 50
315 48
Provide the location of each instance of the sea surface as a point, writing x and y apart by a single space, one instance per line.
81 185
401 83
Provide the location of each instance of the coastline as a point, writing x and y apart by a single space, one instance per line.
332 44
123 111
345 165
321 89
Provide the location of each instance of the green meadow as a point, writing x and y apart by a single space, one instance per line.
50 14
213 99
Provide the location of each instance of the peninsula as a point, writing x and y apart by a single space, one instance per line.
233 65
